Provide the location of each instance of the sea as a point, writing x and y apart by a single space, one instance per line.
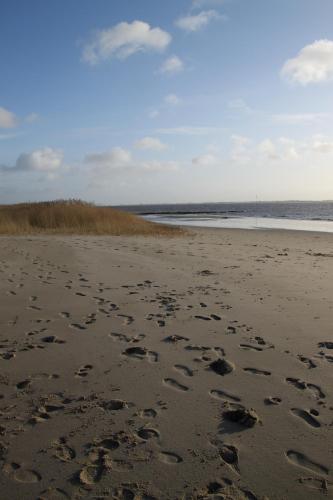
292 215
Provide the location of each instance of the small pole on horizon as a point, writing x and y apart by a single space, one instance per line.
256 211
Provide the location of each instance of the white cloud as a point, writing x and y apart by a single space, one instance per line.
158 166
206 160
32 118
150 144
198 4
7 119
40 160
299 118
46 160
124 40
268 149
239 105
322 144
115 158
213 148
189 130
313 64
5 137
197 22
172 99
284 151
119 161
240 148
172 65
290 148
153 113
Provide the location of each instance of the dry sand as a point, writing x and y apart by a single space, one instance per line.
192 367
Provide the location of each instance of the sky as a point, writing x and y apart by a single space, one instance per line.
154 101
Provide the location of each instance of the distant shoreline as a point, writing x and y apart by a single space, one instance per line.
246 223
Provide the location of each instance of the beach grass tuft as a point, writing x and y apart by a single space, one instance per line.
76 217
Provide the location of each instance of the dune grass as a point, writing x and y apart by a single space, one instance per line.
75 217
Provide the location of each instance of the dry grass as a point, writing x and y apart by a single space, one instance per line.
75 217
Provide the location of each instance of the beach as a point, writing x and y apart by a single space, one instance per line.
188 367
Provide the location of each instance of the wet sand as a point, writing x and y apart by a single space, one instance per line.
183 368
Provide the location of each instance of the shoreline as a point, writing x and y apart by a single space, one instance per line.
249 223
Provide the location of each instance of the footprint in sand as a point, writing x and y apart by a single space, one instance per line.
7 355
146 433
301 460
18 473
173 339
114 405
77 326
256 371
307 361
249 347
231 330
125 338
62 451
226 489
169 458
170 382
222 367
127 320
120 337
315 483
306 416
229 455
199 348
52 339
90 319
272 401
24 384
301 385
148 413
53 494
141 353
224 395
204 318
99 464
316 391
325 345
91 474
184 370
83 371
128 494
240 415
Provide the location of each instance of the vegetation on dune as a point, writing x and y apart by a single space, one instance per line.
75 217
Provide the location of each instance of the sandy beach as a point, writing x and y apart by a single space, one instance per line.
148 368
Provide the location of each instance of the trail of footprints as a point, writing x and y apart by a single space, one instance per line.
99 460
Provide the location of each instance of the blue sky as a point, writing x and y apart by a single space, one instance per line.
138 101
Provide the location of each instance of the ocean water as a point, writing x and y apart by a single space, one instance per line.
293 215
